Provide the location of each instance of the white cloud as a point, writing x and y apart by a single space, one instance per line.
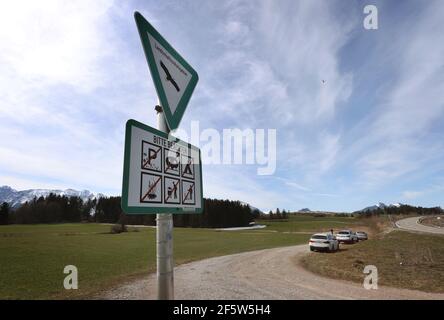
73 72
27 183
56 42
411 194
55 56
233 183
398 140
303 39
296 185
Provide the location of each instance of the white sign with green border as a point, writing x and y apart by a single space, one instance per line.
161 174
173 77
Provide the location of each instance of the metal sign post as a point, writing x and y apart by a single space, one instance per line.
162 175
164 238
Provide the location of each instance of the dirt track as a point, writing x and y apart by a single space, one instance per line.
264 274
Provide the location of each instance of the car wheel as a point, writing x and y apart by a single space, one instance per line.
311 249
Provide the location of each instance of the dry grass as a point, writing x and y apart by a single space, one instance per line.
435 221
403 259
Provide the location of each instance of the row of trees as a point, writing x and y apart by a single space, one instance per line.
401 210
216 214
57 209
276 215
4 213
52 209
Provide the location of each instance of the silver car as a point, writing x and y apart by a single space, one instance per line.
362 235
347 236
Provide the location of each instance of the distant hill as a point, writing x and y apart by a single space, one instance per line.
305 210
16 198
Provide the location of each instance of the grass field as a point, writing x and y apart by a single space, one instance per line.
403 259
309 223
33 256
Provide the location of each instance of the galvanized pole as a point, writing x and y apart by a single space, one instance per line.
164 238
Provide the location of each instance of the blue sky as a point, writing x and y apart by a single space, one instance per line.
72 73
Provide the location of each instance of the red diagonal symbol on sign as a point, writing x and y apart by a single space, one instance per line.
188 168
151 157
151 188
172 190
190 189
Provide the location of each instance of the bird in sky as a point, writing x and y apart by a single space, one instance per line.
168 76
323 81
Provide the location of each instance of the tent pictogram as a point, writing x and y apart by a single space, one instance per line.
188 167
151 157
151 188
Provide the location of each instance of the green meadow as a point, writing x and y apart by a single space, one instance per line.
32 257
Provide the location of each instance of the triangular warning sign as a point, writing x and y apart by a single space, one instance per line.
174 79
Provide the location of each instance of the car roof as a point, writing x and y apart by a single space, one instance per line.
321 234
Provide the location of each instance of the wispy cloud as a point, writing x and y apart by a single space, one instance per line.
72 73
399 137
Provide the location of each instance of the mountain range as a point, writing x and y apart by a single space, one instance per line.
16 198
380 205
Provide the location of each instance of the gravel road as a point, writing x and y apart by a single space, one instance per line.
264 274
412 224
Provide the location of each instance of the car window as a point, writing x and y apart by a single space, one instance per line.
319 237
343 232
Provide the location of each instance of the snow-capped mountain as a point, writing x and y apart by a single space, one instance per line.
380 205
16 198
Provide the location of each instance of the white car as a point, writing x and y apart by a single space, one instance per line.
347 236
324 242
362 235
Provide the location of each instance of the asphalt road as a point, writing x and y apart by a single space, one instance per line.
264 274
412 224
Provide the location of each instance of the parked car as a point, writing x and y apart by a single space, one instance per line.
347 236
324 242
362 235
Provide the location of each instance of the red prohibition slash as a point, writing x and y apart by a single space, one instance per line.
172 190
190 189
152 157
151 188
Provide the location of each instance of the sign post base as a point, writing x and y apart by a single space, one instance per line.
165 262
164 238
